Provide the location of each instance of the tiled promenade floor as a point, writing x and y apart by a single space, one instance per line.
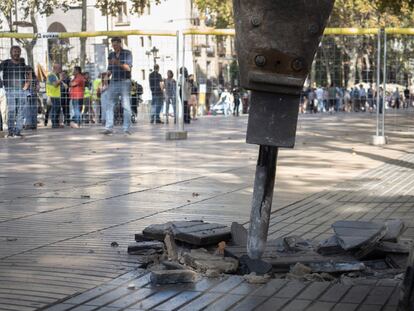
65 195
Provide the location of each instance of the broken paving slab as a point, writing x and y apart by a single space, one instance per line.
238 234
139 248
197 232
281 261
394 228
353 235
172 276
202 260
158 231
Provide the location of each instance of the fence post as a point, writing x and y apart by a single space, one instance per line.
379 138
179 132
385 83
378 77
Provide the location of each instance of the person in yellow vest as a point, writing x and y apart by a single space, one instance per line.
96 98
53 92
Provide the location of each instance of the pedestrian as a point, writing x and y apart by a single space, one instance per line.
362 98
406 97
194 97
319 98
53 92
65 97
15 79
77 90
155 81
370 98
119 68
31 106
236 100
396 98
332 92
170 89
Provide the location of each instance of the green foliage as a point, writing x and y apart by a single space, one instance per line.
111 7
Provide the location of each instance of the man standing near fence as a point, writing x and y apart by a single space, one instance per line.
155 81
16 86
119 67
53 92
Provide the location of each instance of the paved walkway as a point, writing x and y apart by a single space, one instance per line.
65 195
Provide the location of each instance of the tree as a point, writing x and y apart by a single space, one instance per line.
29 9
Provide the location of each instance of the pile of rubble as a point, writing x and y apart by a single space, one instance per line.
180 251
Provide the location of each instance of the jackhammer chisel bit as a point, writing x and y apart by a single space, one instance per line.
276 41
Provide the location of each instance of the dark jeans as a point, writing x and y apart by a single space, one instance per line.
65 102
186 112
56 107
156 106
31 112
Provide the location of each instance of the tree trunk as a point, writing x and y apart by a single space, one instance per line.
353 61
83 40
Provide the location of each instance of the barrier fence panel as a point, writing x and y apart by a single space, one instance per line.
343 78
399 78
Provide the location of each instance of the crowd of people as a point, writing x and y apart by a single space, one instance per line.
73 98
356 99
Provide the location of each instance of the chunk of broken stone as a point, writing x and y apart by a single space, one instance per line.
257 266
172 265
238 234
334 267
139 237
171 247
172 276
300 270
158 231
394 230
253 278
139 248
390 247
296 244
360 236
330 246
194 232
202 260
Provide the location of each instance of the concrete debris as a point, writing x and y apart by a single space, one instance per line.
334 267
212 273
144 248
202 260
394 230
172 276
171 247
139 237
238 234
253 278
131 286
300 270
297 244
172 265
391 247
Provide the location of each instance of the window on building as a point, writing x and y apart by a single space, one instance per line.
143 74
149 41
122 16
141 39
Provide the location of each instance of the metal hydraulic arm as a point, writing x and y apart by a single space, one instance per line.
276 41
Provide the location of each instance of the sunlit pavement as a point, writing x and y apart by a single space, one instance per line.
66 194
